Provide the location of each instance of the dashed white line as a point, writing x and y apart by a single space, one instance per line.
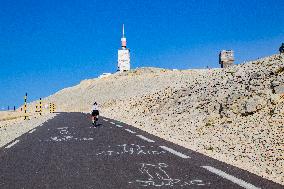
130 131
62 128
12 144
105 119
112 123
230 177
145 138
32 131
119 126
174 152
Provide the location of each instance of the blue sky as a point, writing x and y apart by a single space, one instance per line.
49 45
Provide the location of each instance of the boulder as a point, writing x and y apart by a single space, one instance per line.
254 103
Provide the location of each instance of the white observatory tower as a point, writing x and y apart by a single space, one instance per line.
123 55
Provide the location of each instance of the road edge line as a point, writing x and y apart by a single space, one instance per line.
231 178
145 138
32 131
175 152
12 144
130 131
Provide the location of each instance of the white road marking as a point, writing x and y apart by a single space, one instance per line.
112 123
62 128
130 131
119 126
145 138
105 119
230 177
32 131
12 144
175 152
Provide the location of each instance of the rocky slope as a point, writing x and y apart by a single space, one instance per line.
235 114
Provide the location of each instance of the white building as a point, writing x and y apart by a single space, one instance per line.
123 59
104 75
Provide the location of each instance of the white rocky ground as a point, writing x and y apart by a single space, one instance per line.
235 115
13 128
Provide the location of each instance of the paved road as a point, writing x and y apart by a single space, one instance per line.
66 152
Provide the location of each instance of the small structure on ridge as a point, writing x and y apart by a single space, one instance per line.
281 49
226 58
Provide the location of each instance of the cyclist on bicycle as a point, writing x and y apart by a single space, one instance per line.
95 113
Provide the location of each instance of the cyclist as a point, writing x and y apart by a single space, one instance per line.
95 113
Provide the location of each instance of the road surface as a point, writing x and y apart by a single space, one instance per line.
66 152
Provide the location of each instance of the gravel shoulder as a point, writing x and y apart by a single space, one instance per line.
12 128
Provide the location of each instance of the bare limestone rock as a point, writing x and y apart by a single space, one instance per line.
254 104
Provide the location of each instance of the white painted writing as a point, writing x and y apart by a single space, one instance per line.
157 177
131 149
65 135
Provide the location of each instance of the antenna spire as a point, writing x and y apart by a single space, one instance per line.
123 39
122 30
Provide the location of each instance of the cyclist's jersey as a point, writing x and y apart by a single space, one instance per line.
95 107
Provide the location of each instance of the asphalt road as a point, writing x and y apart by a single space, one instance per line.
66 152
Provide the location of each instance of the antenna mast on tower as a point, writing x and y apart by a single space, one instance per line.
123 39
122 30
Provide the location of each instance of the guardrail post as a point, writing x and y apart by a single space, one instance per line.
53 108
40 107
50 110
25 106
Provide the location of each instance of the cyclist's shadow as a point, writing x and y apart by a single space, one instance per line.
98 125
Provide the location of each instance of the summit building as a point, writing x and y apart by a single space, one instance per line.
123 59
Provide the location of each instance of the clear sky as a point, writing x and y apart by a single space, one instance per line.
47 45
